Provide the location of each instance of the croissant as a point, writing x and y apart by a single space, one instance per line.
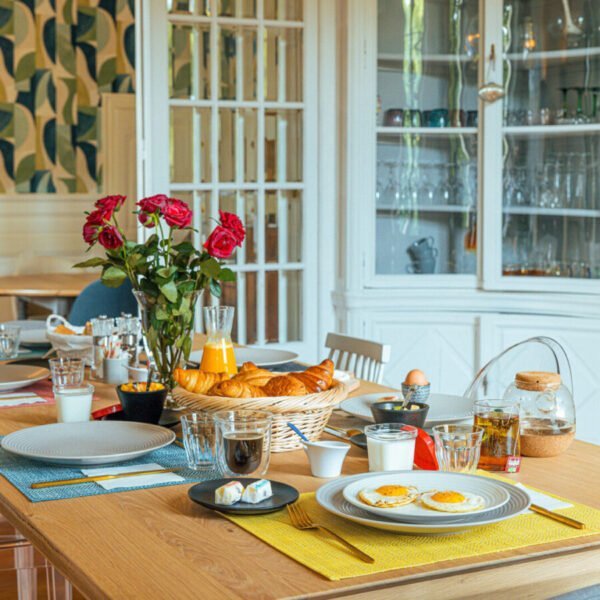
317 378
285 385
236 389
250 373
196 381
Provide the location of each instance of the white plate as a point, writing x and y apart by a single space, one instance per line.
14 377
493 494
33 333
262 357
443 408
330 496
89 443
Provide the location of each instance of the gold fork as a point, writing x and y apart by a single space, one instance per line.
301 520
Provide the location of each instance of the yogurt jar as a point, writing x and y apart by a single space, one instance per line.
391 446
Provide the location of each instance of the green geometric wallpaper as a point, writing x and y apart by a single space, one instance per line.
56 58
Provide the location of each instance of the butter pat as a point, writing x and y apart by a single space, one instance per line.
257 492
229 494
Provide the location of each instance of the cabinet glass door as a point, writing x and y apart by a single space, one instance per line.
551 142
427 136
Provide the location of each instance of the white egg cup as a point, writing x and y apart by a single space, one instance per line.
326 458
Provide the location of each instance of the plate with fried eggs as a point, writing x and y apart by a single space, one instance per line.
425 496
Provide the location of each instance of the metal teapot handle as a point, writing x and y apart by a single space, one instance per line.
555 347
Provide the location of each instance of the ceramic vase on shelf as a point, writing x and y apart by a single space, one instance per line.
167 333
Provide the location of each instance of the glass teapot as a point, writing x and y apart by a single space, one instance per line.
536 373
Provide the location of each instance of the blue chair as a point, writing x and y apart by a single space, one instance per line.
97 299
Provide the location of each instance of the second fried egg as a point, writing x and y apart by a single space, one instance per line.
452 501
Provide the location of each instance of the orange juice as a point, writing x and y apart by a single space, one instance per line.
218 357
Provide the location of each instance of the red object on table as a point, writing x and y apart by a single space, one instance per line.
107 410
425 452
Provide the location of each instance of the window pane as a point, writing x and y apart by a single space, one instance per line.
272 306
227 144
283 226
199 7
238 63
283 308
181 142
286 10
283 145
283 65
293 293
242 295
189 65
237 8
244 205
238 161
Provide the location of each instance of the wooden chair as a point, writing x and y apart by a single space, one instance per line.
364 358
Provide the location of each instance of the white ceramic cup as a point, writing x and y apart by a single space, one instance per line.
326 458
115 370
137 373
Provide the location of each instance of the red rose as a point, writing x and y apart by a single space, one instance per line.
90 233
100 216
234 224
111 203
149 206
220 243
110 238
177 213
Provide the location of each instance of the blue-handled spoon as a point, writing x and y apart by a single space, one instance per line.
297 432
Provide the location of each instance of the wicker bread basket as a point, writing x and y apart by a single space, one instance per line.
309 413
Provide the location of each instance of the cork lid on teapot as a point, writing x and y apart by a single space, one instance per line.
537 381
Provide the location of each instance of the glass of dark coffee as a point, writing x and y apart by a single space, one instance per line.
243 442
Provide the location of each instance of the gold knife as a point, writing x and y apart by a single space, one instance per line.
46 484
557 517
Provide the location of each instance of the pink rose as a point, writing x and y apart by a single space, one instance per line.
150 206
220 243
110 237
111 203
177 213
234 224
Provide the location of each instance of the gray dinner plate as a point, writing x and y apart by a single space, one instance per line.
261 357
15 377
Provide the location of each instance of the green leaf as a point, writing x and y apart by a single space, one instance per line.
161 314
169 291
166 272
113 277
96 261
187 347
210 267
227 275
184 247
215 288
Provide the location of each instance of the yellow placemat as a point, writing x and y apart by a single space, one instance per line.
322 554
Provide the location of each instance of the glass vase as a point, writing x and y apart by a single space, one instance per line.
167 334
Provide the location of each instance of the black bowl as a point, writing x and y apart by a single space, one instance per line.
144 407
383 412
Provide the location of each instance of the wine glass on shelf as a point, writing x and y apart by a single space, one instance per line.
580 117
562 115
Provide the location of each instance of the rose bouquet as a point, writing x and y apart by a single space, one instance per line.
167 278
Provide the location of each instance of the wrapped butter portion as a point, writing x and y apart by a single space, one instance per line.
229 494
257 492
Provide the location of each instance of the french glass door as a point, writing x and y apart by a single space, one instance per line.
427 141
549 143
236 113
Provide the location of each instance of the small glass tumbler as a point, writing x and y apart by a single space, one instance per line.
243 442
73 403
10 336
501 439
457 447
199 440
391 446
66 371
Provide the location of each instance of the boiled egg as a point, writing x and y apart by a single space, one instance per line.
451 501
388 496
415 377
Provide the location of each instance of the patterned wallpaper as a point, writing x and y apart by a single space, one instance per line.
56 58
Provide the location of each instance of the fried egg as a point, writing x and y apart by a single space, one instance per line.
388 496
451 501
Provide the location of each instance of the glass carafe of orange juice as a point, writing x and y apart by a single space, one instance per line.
218 355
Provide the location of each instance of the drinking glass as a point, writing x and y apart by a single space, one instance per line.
243 442
9 341
66 371
457 447
218 355
129 329
500 422
391 446
199 440
73 403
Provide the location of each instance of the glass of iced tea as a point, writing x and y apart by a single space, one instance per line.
500 422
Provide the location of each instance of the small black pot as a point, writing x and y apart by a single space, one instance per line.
383 412
144 407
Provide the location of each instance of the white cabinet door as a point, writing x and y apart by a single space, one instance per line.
579 337
443 345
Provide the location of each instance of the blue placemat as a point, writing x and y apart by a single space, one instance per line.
22 473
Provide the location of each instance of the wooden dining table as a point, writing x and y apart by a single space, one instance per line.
54 291
156 543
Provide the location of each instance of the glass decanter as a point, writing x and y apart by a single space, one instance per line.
218 355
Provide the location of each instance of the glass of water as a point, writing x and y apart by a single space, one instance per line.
199 440
66 371
9 341
457 447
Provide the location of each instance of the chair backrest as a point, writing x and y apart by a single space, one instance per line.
97 299
364 358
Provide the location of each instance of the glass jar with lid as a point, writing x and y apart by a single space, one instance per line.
547 412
